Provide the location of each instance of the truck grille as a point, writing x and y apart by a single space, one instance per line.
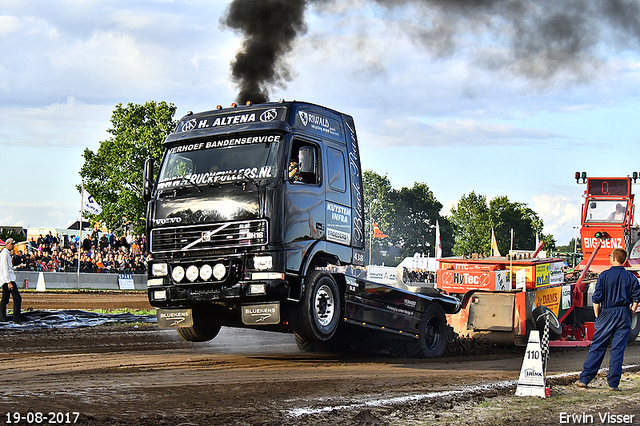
209 237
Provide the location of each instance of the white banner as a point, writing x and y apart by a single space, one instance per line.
381 274
89 204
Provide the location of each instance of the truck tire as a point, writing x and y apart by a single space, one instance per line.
204 326
635 327
319 311
432 334
398 348
539 314
306 345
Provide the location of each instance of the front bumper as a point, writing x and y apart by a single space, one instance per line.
240 292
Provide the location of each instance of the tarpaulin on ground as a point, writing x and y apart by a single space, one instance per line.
72 318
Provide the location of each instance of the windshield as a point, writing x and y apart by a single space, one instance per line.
221 160
610 211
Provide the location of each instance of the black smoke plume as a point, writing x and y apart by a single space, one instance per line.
537 39
269 28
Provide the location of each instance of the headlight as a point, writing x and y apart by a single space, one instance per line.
257 289
267 276
205 272
155 282
262 263
192 273
219 271
159 269
160 295
177 274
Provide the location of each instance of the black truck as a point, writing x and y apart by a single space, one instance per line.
254 211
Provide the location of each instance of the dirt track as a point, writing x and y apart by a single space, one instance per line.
84 300
140 375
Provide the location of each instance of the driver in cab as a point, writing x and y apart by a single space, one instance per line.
294 171
618 215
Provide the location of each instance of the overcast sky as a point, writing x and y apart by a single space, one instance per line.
504 98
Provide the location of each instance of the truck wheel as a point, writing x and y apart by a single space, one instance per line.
306 345
303 344
555 329
319 311
204 326
635 327
432 335
398 348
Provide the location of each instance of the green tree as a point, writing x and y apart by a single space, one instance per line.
379 206
549 243
525 223
18 236
408 216
473 220
113 174
571 246
415 219
446 236
471 225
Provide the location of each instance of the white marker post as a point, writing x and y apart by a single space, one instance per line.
41 285
532 380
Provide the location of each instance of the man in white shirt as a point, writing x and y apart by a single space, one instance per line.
8 280
618 215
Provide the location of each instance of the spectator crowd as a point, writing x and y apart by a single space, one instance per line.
106 253
98 252
421 276
410 275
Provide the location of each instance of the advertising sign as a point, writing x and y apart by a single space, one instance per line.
455 281
381 274
550 297
541 274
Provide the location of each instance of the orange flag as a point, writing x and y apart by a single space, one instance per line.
377 233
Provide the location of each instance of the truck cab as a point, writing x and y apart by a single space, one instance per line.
248 201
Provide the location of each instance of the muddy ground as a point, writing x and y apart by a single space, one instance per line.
87 299
137 374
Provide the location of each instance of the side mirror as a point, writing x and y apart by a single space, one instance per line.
307 157
147 180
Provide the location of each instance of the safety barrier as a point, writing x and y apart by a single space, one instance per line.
73 281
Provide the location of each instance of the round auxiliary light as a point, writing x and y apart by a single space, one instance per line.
177 274
192 273
206 272
219 271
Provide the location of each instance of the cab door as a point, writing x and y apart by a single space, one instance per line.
304 199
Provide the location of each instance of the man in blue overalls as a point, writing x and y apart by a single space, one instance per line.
615 299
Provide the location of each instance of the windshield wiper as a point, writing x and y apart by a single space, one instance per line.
195 186
242 180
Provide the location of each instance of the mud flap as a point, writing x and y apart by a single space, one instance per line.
263 314
174 318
